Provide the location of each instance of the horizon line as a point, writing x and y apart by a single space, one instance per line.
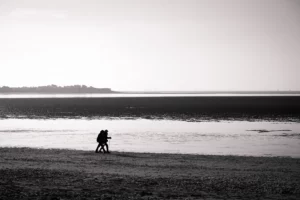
161 91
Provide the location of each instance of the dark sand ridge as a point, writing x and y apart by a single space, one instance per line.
69 174
284 108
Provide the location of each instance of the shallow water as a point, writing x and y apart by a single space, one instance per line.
159 136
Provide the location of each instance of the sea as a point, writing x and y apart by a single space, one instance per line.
208 136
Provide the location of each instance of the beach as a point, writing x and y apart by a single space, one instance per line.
162 148
28 173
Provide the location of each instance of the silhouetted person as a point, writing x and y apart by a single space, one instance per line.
105 139
101 141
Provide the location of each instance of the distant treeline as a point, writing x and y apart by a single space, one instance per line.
55 89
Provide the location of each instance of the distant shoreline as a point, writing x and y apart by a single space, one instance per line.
54 89
83 89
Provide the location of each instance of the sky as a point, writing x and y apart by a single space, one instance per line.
148 45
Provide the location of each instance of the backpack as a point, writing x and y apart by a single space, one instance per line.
99 138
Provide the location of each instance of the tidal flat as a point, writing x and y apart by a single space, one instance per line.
249 108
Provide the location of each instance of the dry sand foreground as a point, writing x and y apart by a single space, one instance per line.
69 174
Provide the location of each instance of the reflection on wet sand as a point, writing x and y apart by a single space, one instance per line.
159 136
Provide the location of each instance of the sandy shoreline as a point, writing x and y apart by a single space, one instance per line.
70 174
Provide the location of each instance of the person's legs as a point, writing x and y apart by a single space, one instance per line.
102 148
97 148
107 147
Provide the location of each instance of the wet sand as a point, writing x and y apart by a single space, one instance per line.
279 108
69 174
